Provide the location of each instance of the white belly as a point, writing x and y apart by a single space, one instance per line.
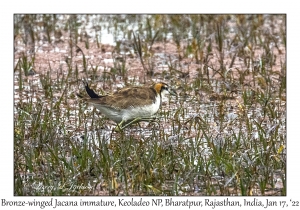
131 112
142 112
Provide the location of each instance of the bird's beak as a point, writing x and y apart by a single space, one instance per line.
172 92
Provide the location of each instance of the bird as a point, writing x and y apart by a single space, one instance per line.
130 104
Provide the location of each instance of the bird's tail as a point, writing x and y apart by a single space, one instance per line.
89 91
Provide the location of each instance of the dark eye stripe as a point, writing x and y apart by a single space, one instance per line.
164 87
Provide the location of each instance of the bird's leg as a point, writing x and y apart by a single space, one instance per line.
148 119
139 119
136 120
119 127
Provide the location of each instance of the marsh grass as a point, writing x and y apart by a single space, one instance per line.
225 133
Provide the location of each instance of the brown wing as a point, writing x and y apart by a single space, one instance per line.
128 97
